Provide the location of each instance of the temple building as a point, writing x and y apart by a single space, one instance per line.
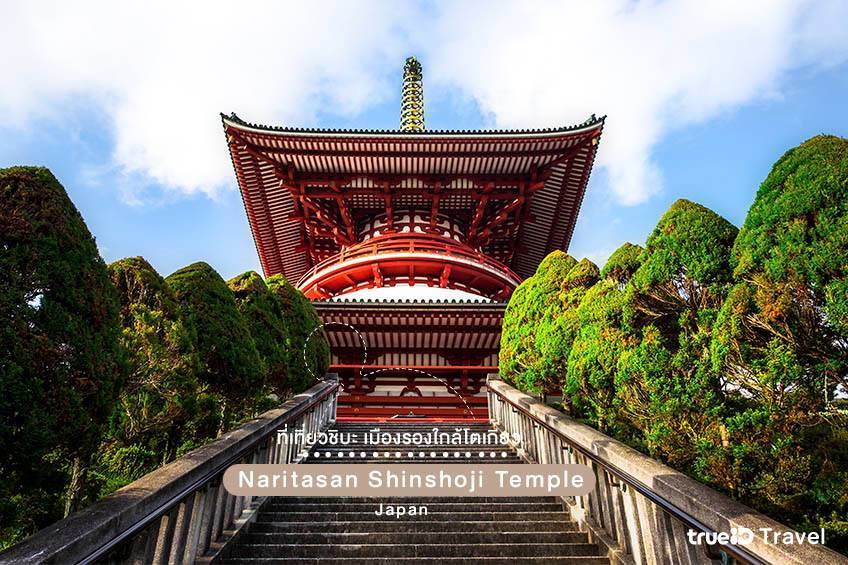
410 242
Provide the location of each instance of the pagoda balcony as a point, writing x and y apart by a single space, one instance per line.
409 258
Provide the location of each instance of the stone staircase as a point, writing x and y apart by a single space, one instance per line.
346 531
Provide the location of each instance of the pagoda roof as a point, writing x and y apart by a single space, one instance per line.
233 118
556 161
405 327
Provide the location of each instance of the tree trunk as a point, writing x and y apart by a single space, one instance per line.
223 426
72 496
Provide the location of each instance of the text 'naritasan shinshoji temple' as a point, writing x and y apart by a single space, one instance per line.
410 242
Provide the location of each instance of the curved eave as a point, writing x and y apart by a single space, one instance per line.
234 121
262 154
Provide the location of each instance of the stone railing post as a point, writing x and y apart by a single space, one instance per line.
640 510
181 513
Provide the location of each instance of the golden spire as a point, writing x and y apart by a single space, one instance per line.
412 97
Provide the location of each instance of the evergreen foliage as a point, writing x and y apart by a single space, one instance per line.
108 373
230 364
720 352
559 324
307 342
782 340
162 409
60 357
519 356
670 390
263 311
600 341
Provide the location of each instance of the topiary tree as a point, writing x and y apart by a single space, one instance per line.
264 311
668 386
791 262
229 362
559 324
782 338
519 358
600 340
60 356
307 345
158 409
622 264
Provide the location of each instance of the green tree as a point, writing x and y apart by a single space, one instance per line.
229 362
266 318
162 407
60 356
519 357
600 340
559 325
782 339
668 387
307 342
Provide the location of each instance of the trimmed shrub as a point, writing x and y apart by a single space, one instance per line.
229 362
158 409
60 356
600 340
308 347
559 325
668 387
782 340
538 323
263 310
518 357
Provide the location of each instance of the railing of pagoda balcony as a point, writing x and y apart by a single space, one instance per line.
181 513
640 511
409 243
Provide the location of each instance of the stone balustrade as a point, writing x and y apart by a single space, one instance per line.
640 510
181 513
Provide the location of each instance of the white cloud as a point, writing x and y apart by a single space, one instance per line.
163 70
651 66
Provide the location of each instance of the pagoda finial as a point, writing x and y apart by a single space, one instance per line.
412 97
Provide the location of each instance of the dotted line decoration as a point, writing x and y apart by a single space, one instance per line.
365 362
321 327
409 454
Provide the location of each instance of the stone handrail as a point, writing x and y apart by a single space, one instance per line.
181 512
640 510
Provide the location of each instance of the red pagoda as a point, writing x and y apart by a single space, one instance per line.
410 242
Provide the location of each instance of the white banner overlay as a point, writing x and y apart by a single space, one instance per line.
409 480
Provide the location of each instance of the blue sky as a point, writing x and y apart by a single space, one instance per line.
699 106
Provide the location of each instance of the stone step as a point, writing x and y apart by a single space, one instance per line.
354 451
460 531
413 550
413 538
421 525
431 507
561 560
435 516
